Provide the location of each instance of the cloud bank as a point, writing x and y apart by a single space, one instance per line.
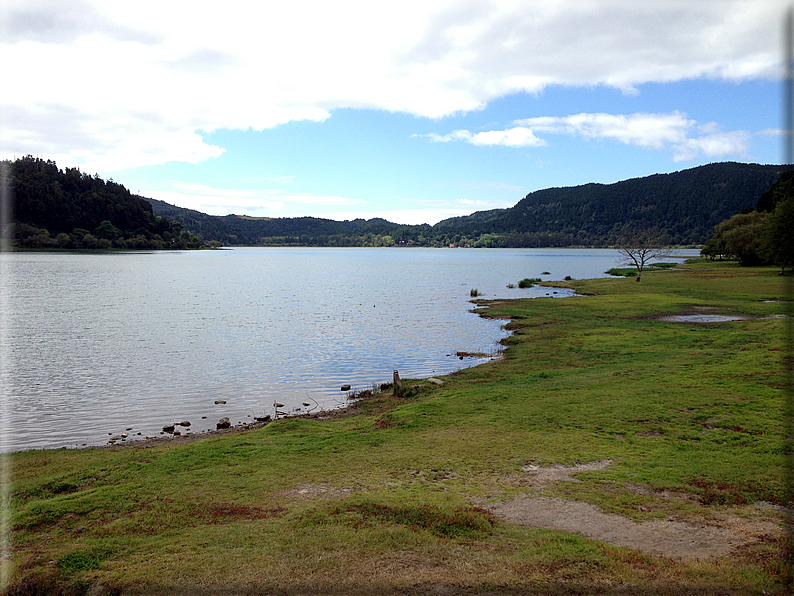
671 131
118 85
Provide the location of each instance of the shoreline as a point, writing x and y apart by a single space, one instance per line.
526 457
354 399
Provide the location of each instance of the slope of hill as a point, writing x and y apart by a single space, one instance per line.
686 204
241 229
70 209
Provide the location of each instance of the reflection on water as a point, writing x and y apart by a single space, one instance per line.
98 343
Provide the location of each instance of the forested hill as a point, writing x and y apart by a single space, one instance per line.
241 229
686 204
69 209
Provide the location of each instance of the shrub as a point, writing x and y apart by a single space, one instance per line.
474 292
528 282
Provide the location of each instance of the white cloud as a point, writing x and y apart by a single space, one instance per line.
512 137
221 201
718 145
128 84
771 132
644 130
652 131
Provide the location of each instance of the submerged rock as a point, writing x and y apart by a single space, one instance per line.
185 423
169 428
220 401
223 423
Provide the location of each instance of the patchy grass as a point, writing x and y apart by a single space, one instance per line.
689 409
528 282
622 271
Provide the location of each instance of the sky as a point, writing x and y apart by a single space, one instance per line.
413 111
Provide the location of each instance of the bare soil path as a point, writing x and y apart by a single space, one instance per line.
669 538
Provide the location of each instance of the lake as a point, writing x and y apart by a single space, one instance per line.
93 344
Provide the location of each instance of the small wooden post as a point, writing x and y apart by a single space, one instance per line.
398 385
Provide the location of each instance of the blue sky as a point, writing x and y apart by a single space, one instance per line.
413 112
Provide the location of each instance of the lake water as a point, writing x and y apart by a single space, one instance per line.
93 344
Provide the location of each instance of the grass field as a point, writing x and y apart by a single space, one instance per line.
394 496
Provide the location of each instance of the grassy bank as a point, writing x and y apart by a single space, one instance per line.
397 496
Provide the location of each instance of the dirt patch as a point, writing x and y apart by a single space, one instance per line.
680 540
541 477
323 490
668 538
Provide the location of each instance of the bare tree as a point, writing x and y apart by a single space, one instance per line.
640 247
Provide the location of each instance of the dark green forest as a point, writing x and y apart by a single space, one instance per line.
54 208
686 205
761 235
70 209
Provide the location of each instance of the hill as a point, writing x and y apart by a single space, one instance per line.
686 204
70 209
246 230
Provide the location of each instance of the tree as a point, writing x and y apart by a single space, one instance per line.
778 241
743 237
107 230
641 246
714 247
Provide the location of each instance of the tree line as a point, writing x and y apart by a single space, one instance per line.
763 235
54 208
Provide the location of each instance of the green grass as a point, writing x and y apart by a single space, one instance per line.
622 271
390 490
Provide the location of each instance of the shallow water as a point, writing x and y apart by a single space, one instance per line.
701 318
